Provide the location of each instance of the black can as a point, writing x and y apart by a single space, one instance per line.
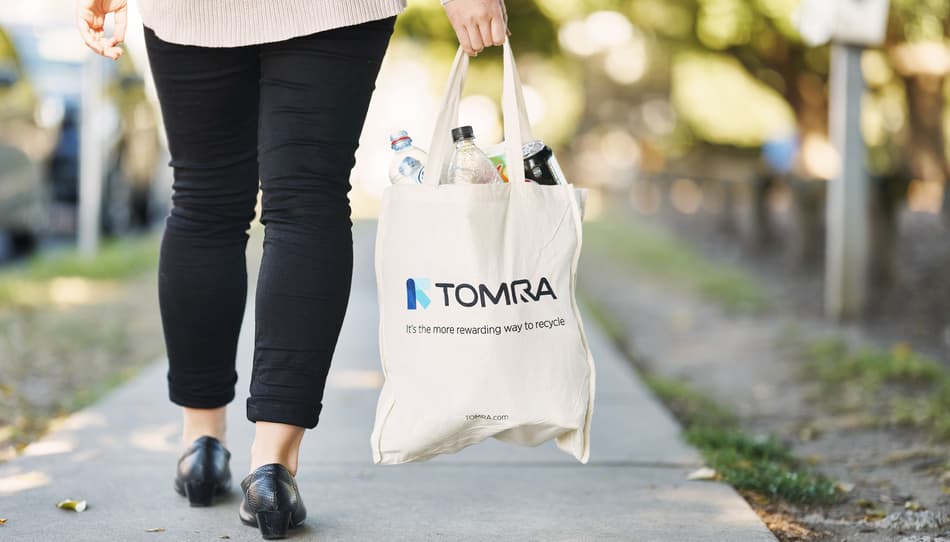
540 165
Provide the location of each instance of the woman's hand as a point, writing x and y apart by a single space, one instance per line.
91 17
477 23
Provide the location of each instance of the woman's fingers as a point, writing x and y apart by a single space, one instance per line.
112 51
475 38
497 24
91 20
121 21
85 21
477 23
462 35
89 38
498 31
484 29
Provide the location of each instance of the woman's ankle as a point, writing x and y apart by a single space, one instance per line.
200 422
287 461
276 443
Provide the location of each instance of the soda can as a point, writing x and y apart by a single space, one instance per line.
540 165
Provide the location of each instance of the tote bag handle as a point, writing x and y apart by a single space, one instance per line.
517 128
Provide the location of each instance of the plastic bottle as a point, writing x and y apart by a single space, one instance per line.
408 164
469 164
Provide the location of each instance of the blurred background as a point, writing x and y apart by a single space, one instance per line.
709 115
42 77
700 127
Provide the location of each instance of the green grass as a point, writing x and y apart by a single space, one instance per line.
119 259
833 362
761 465
647 250
907 388
764 466
692 409
115 260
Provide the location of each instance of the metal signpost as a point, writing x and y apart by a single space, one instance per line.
846 258
850 25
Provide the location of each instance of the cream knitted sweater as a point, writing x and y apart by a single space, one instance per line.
232 23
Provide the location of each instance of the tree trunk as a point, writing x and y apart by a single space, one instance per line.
808 238
762 232
925 144
886 195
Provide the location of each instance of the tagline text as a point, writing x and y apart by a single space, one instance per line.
424 329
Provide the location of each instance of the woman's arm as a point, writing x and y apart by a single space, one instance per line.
477 23
91 18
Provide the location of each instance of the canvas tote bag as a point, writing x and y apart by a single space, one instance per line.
479 331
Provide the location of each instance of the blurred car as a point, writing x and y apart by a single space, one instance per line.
126 127
25 144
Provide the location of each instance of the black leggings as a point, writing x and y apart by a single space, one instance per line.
288 114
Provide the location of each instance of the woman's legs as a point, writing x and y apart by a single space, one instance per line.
209 100
315 91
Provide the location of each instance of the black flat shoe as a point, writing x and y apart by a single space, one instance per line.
272 501
203 471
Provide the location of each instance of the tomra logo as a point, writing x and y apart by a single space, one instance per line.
470 295
416 293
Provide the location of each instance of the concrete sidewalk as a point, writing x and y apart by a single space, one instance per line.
120 456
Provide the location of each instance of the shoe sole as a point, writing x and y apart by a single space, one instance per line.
200 495
273 525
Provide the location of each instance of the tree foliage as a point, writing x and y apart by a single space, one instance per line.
905 104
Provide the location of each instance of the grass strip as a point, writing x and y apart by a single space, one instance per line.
831 361
916 388
759 464
116 259
762 465
28 283
644 249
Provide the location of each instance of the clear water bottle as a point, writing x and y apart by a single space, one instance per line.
409 163
469 164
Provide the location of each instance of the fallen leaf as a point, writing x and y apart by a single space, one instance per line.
155 530
901 350
845 487
865 503
909 454
70 504
874 514
914 506
808 433
224 536
704 473
3 521
815 459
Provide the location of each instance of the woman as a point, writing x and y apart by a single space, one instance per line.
268 95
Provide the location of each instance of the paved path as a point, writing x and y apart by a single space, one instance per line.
120 455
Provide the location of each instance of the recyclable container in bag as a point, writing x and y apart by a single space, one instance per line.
479 331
